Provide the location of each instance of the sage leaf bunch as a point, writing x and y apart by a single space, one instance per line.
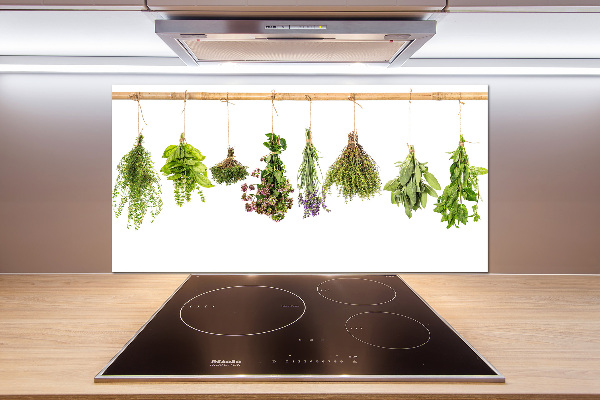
273 194
137 186
354 172
464 186
185 168
414 182
310 195
229 170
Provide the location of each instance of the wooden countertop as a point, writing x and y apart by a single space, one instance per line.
541 332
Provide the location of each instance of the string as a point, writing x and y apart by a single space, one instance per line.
309 111
309 133
410 116
352 98
136 97
460 103
182 139
273 108
226 100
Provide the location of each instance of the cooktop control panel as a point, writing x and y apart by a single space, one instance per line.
297 327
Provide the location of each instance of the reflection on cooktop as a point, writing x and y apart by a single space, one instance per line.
297 327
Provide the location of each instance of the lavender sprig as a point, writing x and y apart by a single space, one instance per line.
309 194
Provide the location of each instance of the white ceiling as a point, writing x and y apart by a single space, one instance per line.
460 35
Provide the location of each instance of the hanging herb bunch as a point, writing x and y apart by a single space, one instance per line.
273 193
138 184
185 168
409 187
354 172
309 195
464 186
229 170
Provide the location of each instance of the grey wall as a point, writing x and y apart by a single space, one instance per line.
55 167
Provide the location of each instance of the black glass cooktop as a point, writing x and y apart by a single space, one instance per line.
297 327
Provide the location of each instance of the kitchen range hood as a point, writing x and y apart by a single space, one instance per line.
384 42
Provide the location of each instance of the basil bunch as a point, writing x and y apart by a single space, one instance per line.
354 172
409 188
229 170
464 186
138 184
185 168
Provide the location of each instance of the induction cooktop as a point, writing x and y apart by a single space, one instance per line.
297 328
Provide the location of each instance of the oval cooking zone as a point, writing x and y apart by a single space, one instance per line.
356 291
232 311
374 327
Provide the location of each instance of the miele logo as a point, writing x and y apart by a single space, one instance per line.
225 363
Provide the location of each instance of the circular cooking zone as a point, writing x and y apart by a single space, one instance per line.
356 291
242 310
388 330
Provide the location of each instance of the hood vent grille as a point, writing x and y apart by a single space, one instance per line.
386 42
296 51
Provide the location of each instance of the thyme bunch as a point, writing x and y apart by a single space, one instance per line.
185 168
354 172
229 170
309 194
464 186
409 187
272 197
137 185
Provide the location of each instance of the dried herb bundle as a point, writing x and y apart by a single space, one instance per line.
409 188
309 194
354 172
229 170
272 196
464 186
185 168
138 184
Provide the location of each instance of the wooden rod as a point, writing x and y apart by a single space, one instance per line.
300 96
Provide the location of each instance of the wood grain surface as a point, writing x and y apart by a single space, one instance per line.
542 332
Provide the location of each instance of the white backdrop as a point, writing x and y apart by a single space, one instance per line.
361 236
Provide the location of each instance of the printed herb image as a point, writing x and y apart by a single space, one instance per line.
354 172
137 185
409 187
185 168
229 170
464 186
273 193
310 195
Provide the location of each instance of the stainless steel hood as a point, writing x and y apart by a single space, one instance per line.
384 42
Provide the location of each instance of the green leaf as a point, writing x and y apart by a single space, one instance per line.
407 210
470 195
411 191
405 174
169 150
478 171
432 181
423 199
417 174
391 185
